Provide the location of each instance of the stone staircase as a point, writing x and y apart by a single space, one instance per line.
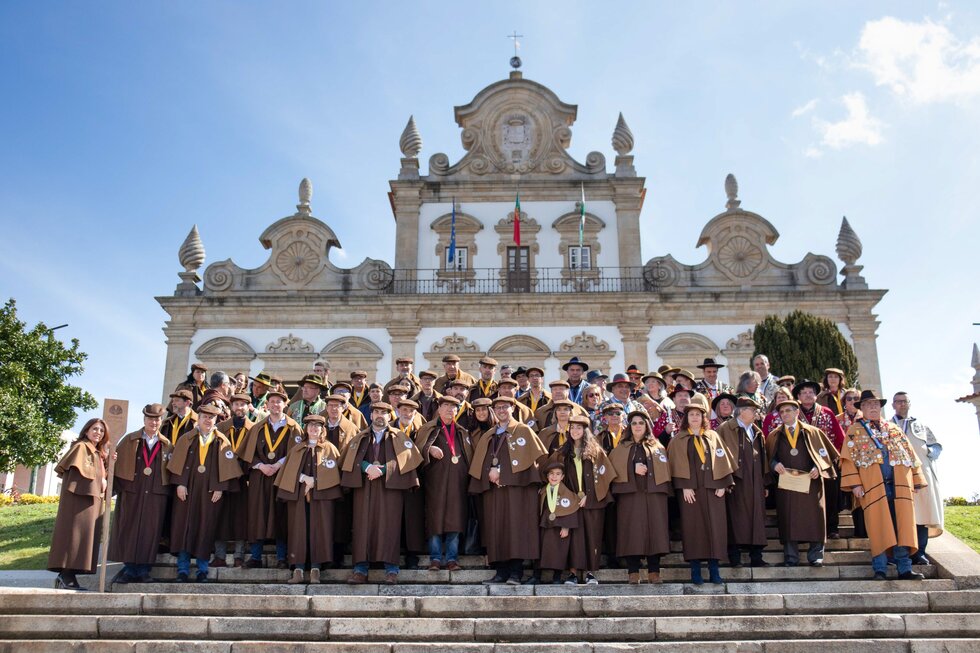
765 610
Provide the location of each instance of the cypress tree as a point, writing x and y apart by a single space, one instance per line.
804 345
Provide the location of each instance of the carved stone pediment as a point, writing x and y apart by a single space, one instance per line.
738 257
299 260
517 126
468 351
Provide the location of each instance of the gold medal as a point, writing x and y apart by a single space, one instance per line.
581 495
147 471
552 516
201 469
455 459
272 455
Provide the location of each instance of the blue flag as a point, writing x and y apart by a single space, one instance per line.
452 236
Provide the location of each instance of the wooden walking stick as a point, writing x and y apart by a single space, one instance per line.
115 413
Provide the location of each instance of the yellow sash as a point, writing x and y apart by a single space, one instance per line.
202 451
268 438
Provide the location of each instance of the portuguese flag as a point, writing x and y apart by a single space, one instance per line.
517 220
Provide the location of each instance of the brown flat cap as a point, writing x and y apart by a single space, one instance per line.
241 396
153 410
380 405
277 393
450 358
208 409
446 399
563 402
507 400
405 359
183 393
482 402
698 402
199 366
314 419
334 397
580 419
486 360
360 373
408 402
564 384
429 373
503 382
341 384
535 369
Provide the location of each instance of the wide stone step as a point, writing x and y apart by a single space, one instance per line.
495 629
800 586
891 645
79 603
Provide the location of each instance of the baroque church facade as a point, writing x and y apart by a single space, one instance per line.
539 303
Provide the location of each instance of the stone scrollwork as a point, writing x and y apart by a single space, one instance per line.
820 270
661 272
220 276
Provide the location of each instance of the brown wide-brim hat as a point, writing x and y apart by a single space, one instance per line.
315 419
746 402
199 366
428 373
654 375
482 402
381 405
183 393
208 409
685 374
724 395
241 396
789 378
669 371
263 378
277 393
506 400
698 402
447 399
620 379
315 379
153 410
871 395
786 402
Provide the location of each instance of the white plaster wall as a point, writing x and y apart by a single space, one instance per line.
259 339
485 337
544 213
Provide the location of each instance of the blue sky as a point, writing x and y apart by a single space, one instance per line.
123 124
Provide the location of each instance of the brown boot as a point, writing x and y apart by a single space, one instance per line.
315 575
634 578
357 579
654 578
297 577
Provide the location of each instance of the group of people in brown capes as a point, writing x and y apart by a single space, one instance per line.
442 464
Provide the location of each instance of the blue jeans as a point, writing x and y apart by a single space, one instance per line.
136 570
901 556
362 568
184 564
280 550
452 547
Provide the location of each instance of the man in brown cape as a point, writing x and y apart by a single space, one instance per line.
505 472
264 452
447 450
405 376
802 450
485 387
450 364
143 486
339 431
408 421
427 396
202 467
880 467
379 465
545 415
182 419
233 523
747 499
535 396
352 414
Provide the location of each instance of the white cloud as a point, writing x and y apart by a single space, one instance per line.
859 127
924 62
804 109
813 152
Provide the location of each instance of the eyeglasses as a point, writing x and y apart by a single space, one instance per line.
850 399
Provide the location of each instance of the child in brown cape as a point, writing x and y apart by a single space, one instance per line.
560 523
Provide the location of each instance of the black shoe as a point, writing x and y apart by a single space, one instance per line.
788 564
411 561
817 563
532 580
910 575
145 578
760 563
67 582
880 575
202 577
920 560
515 579
282 564
498 579
182 577
556 580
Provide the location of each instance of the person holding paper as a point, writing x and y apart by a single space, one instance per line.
801 456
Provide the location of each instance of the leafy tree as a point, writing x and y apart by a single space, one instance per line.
36 401
804 345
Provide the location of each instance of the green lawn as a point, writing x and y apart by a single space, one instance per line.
25 535
964 523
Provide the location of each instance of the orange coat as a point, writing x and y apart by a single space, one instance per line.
859 466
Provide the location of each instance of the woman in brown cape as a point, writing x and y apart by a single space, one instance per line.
78 526
588 473
701 467
309 484
641 486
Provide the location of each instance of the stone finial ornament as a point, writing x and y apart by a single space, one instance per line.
849 250
848 244
731 190
411 141
191 253
622 138
305 191
191 257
